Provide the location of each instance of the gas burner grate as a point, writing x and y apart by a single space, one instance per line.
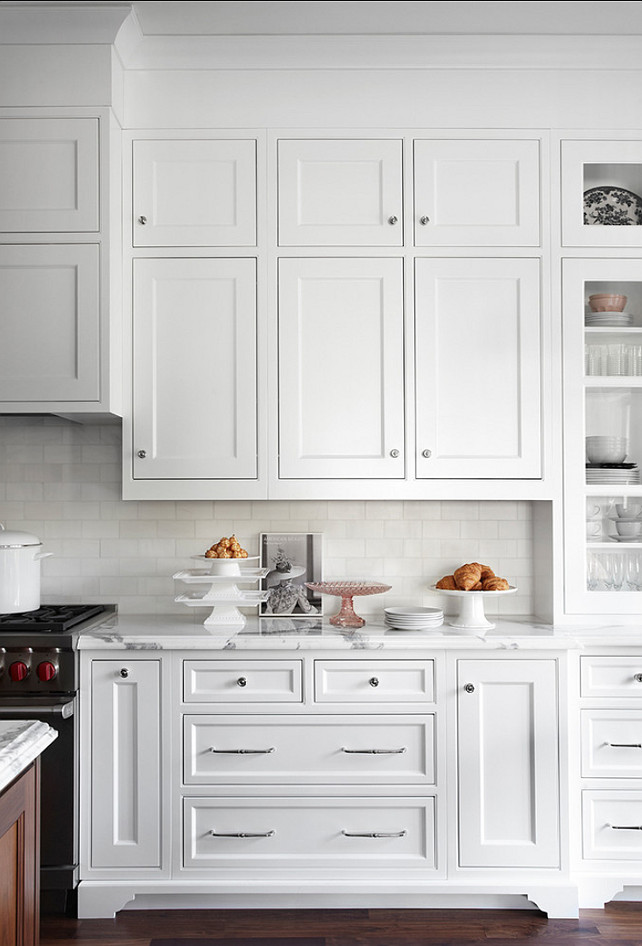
50 618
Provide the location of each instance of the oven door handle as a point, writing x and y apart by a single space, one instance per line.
27 711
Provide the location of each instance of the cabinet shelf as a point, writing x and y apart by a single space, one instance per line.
607 330
613 381
613 489
603 545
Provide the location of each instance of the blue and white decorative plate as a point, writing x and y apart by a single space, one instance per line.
612 207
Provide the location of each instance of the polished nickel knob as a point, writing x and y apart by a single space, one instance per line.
124 672
141 454
374 681
241 682
393 220
426 453
394 454
424 221
142 221
638 677
469 688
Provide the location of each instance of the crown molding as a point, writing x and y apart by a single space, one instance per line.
67 24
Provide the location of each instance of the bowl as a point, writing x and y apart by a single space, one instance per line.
628 510
607 302
603 449
627 528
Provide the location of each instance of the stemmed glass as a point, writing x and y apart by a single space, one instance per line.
633 571
617 571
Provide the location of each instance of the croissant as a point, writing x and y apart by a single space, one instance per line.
486 572
477 587
447 583
495 584
467 576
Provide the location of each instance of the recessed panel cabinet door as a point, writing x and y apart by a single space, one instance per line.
477 193
341 393
195 193
49 174
478 368
195 378
340 193
508 763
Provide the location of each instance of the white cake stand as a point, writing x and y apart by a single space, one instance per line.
224 596
471 615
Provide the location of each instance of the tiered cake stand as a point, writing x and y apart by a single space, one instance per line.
224 596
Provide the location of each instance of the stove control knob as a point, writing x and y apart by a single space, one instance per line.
18 671
46 671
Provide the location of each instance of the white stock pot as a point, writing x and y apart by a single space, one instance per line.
19 571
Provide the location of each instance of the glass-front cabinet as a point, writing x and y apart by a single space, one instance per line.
603 434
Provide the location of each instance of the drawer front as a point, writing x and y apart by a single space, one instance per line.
612 676
385 681
611 743
248 681
612 825
312 832
319 750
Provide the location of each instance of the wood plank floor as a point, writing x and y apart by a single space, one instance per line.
620 924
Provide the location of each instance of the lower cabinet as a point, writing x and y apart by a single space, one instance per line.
19 862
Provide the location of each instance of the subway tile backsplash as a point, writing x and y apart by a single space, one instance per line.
61 480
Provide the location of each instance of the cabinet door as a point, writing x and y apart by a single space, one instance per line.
508 764
477 356
195 379
340 193
194 193
49 174
341 368
125 815
477 193
19 861
49 340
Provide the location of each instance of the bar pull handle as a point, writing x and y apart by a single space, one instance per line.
625 827
375 834
242 834
243 751
374 751
624 745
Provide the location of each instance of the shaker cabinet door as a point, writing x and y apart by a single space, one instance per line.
200 192
340 193
341 380
477 338
195 378
476 193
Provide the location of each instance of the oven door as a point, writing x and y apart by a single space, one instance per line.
58 787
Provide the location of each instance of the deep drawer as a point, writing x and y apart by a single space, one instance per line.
612 825
611 743
311 832
611 676
245 681
383 681
319 750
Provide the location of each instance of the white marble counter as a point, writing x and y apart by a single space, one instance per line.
178 632
21 741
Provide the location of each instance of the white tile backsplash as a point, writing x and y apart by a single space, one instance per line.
61 480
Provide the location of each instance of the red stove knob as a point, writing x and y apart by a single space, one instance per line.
18 671
46 671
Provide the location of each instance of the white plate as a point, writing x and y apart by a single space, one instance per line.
202 576
625 538
625 518
426 627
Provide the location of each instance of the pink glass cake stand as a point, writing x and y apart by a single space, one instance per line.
347 590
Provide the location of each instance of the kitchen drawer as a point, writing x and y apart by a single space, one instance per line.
319 750
245 681
311 832
612 825
611 743
383 681
611 676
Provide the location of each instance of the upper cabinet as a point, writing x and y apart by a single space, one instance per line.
476 192
49 173
198 192
602 193
340 192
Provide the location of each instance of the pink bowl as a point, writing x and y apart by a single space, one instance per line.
607 302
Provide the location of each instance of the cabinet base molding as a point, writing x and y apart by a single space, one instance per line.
99 899
597 890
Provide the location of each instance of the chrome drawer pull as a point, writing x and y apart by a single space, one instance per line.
243 834
638 677
624 745
243 751
374 751
375 834
625 827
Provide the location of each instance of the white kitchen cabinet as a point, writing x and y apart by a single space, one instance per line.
196 192
126 789
50 347
477 368
49 174
340 192
194 351
508 775
341 377
470 192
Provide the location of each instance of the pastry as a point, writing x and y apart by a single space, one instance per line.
226 548
486 572
467 576
495 584
447 583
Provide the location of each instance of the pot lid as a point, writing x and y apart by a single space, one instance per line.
11 539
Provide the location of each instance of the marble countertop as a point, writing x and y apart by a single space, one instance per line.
21 741
184 632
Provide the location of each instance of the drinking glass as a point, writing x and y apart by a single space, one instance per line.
617 571
593 572
606 574
633 571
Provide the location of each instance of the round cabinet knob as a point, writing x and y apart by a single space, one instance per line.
241 682
638 677
374 681
393 220
18 671
424 221
46 671
124 672
141 454
142 220
426 453
469 688
394 454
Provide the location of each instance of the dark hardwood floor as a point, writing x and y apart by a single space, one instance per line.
620 924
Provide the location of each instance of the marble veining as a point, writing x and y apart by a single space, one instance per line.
21 741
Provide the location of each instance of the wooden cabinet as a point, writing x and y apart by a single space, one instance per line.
196 192
473 192
340 192
341 377
195 388
509 793
126 789
19 861
477 354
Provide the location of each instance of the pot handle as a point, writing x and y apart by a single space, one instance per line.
40 555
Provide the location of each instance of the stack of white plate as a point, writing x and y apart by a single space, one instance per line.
612 319
413 619
615 475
